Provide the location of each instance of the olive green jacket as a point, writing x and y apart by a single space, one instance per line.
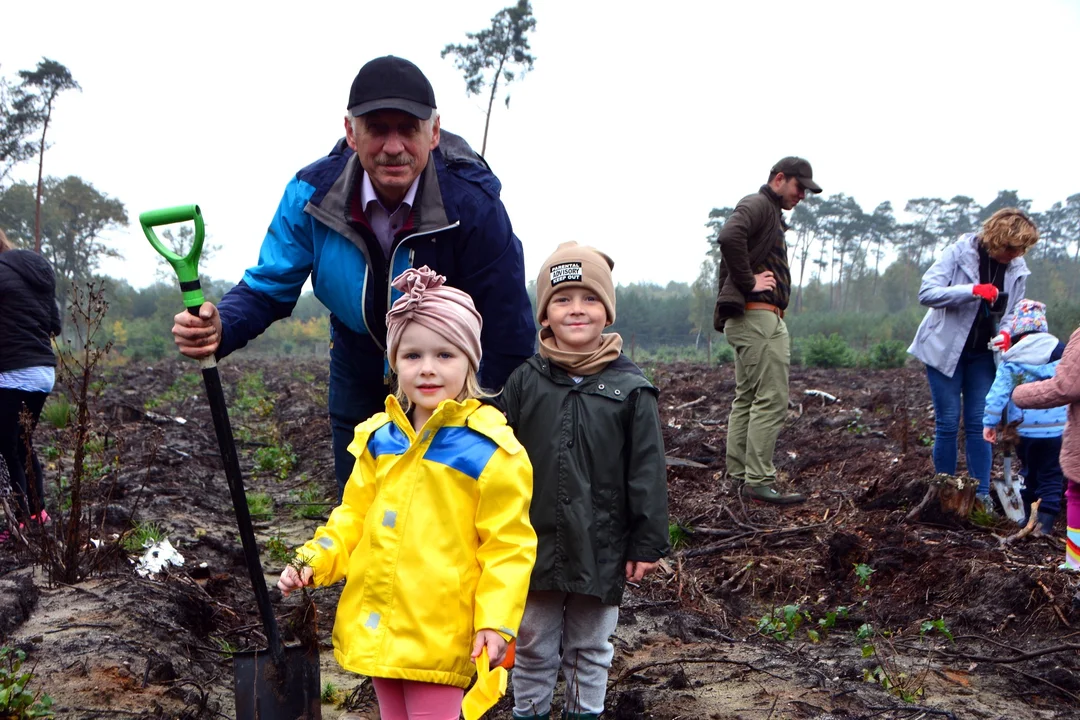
599 475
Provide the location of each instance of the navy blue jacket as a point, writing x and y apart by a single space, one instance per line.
458 227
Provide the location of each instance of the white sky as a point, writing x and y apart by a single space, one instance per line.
638 118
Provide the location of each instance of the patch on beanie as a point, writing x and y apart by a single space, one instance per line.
565 272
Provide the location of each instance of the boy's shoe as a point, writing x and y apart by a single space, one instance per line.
987 502
1045 522
769 494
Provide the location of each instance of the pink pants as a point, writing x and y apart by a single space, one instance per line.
1072 516
413 700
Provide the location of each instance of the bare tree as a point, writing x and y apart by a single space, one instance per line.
501 51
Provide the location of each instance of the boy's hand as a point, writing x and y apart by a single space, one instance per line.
291 580
637 569
989 434
495 644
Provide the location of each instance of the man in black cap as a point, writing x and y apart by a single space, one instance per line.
755 285
395 192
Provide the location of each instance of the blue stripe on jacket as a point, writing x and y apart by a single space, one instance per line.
463 449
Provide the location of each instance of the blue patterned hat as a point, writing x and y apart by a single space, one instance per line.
1030 317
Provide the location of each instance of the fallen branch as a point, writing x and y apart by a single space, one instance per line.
1009 660
701 399
720 547
682 462
1053 603
913 709
688 661
1027 529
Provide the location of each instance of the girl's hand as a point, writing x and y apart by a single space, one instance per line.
989 435
637 569
291 580
494 643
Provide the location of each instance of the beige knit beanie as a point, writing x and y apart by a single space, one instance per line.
573 265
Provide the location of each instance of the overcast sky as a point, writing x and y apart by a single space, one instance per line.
637 119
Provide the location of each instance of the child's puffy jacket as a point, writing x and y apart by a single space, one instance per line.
1027 361
433 539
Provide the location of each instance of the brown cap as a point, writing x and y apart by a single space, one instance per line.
573 265
799 169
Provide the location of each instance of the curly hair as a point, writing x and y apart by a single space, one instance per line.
5 244
1009 229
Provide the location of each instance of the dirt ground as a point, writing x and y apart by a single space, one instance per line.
872 616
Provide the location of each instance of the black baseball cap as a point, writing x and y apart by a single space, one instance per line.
799 169
391 83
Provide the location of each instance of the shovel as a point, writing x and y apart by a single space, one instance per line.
489 687
279 683
1008 488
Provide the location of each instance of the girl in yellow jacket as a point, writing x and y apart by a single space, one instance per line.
433 536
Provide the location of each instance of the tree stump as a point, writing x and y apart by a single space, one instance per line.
949 494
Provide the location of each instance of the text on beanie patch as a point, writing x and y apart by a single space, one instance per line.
565 272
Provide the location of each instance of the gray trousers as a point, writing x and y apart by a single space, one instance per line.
583 626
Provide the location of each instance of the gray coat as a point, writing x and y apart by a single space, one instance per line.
947 290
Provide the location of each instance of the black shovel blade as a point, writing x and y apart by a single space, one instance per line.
265 692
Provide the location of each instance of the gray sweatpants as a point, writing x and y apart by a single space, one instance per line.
583 626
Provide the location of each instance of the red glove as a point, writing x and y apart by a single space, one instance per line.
987 291
1001 342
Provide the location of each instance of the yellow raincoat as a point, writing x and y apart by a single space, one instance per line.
433 538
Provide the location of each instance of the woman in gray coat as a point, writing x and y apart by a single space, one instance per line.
971 292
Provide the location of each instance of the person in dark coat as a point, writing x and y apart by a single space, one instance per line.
28 319
588 418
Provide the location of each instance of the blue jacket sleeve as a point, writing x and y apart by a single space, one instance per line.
269 290
998 397
493 273
245 314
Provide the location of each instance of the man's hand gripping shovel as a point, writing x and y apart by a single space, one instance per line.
277 683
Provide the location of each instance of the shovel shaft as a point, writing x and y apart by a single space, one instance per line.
216 396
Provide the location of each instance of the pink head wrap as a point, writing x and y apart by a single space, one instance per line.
431 303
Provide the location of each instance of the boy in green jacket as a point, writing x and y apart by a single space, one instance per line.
589 421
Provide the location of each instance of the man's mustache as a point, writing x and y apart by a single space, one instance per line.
400 159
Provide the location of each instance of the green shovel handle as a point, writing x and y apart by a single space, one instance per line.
186 267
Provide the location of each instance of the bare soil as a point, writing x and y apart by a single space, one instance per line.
688 644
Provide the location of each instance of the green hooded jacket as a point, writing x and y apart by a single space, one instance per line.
599 475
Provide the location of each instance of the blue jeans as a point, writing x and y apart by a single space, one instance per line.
973 377
357 391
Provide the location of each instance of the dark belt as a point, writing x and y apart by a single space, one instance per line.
765 306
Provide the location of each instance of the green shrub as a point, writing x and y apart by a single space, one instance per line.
277 460
58 412
887 354
260 506
143 534
827 352
16 702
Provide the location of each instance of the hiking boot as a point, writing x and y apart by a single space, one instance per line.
1045 522
986 501
769 494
